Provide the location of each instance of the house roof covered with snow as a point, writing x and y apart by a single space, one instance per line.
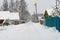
49 11
8 15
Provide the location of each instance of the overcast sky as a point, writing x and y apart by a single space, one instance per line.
42 5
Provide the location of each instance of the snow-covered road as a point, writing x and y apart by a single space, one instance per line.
29 31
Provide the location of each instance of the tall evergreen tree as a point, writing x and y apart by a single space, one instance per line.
23 12
16 5
11 5
5 5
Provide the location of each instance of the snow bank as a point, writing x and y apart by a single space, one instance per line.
29 31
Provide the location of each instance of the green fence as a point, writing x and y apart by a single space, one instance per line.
49 22
53 22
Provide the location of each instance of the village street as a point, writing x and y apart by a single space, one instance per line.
29 31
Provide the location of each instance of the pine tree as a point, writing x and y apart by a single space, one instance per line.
16 6
33 17
11 6
24 14
17 3
5 5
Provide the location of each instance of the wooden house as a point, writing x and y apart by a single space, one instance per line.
8 18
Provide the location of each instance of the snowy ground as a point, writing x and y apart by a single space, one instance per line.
29 31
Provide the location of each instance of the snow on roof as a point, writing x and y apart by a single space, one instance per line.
8 15
49 11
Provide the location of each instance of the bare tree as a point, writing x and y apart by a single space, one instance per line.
57 8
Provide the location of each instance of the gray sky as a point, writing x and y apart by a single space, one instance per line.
42 5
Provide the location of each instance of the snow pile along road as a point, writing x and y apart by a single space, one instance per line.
29 31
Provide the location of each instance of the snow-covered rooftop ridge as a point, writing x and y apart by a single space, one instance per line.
8 15
49 11
4 12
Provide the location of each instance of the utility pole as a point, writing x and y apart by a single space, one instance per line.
36 8
36 16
